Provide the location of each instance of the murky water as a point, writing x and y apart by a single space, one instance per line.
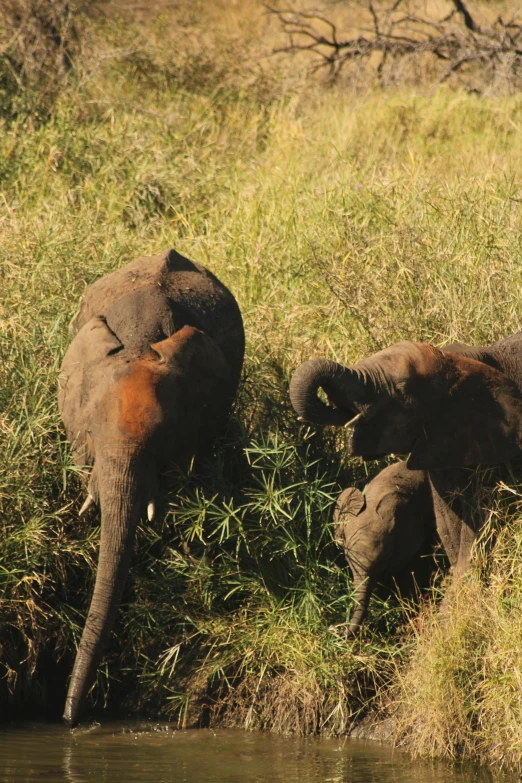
156 753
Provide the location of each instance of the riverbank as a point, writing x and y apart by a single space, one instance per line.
342 222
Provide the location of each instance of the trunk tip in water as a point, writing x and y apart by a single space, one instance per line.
71 711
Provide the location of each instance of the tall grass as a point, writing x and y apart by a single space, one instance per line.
341 223
460 694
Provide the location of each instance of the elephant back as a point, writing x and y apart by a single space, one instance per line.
188 285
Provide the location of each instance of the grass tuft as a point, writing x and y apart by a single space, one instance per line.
460 695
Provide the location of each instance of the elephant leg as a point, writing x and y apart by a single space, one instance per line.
448 522
471 524
457 521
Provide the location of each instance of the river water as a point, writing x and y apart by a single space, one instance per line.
156 753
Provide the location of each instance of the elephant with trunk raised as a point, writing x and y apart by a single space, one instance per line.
449 409
148 379
385 530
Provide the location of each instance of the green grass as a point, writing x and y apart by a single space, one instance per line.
342 224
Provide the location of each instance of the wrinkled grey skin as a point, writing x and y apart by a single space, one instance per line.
148 379
450 409
384 529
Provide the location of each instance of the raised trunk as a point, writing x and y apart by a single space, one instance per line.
344 387
120 484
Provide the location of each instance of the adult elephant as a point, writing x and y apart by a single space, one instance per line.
149 378
449 409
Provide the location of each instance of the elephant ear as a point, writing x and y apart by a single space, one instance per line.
93 343
479 421
85 355
192 350
100 338
350 503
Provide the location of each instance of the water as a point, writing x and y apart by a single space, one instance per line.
156 753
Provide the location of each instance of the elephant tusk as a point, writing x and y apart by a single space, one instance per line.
352 421
89 500
300 418
151 511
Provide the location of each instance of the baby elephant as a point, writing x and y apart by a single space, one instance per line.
383 529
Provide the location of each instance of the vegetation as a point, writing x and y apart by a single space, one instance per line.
342 222
406 42
462 682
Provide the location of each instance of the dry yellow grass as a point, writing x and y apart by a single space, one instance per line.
461 692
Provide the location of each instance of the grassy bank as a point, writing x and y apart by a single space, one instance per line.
342 223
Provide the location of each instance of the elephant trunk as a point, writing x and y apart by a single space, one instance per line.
121 496
364 585
344 387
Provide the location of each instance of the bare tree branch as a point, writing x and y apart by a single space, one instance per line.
468 19
474 54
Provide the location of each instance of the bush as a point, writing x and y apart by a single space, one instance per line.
39 41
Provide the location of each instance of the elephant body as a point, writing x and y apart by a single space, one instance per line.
148 379
451 410
384 529
191 295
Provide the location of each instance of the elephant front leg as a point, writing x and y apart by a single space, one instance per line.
457 520
468 535
448 522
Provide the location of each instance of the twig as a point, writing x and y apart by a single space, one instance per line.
468 19
396 33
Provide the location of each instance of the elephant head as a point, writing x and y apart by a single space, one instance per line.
129 405
446 409
364 551
382 529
